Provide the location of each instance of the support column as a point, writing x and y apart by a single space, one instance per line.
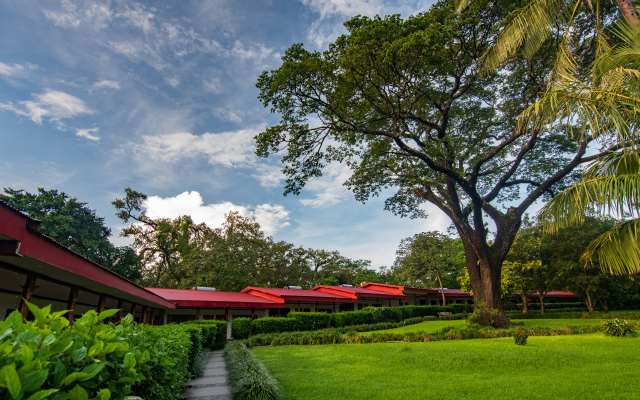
101 301
334 308
143 317
71 305
299 307
226 313
151 318
198 314
27 294
162 318
317 309
132 310
120 306
252 310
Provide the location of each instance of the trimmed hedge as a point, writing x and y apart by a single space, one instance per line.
577 315
248 377
214 332
241 328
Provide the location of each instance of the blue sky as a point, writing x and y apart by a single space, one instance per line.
160 96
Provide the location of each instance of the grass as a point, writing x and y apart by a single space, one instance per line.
433 326
551 367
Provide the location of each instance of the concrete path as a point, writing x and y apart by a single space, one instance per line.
213 383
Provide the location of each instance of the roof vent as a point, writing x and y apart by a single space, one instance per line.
208 289
344 285
293 287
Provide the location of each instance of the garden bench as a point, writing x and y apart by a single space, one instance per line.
444 313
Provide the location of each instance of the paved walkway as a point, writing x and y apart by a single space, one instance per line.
213 383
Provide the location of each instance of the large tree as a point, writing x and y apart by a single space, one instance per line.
402 102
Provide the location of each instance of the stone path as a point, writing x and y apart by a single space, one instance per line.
213 383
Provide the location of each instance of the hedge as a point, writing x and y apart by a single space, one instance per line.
577 315
248 377
46 358
215 333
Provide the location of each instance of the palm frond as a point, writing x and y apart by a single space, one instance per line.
530 27
461 5
617 250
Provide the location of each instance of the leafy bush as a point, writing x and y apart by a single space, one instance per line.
346 318
483 315
578 315
310 321
272 324
248 377
240 328
214 333
45 358
618 328
384 314
520 337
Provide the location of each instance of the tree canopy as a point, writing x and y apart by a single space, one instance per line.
404 104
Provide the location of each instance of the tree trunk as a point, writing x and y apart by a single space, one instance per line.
588 301
525 301
541 296
444 302
629 14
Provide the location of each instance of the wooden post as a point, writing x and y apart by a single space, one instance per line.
279 312
71 304
27 293
143 317
132 310
298 306
226 313
317 309
101 302
198 314
161 317
120 306
334 308
252 314
151 318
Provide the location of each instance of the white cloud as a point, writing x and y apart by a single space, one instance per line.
52 104
15 69
269 176
230 149
87 134
270 217
174 82
329 189
89 13
211 85
106 84
227 115
138 17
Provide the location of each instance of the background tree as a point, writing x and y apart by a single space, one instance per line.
403 103
427 260
74 225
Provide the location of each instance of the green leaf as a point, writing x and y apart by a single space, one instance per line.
37 312
73 376
14 318
10 377
78 393
60 373
104 394
130 360
26 354
107 314
79 354
35 381
91 371
95 349
42 394
116 346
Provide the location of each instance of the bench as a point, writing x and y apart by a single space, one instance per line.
445 314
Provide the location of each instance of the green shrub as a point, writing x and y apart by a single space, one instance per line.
240 328
520 337
46 359
248 377
214 333
616 327
385 314
352 318
577 315
272 324
305 321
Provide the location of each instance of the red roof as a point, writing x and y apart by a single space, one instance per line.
298 295
556 293
53 259
205 298
403 289
357 292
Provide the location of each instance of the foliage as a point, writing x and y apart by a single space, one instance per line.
428 259
616 327
483 315
520 337
579 314
248 377
241 328
45 358
214 333
273 324
72 224
310 321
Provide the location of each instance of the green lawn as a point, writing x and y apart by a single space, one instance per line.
432 326
552 367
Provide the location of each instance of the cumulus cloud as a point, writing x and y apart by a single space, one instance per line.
230 149
329 190
52 104
270 217
87 134
15 69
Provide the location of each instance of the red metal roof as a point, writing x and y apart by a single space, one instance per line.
557 293
394 289
298 295
34 245
357 291
205 298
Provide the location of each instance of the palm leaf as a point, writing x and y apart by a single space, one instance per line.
617 250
